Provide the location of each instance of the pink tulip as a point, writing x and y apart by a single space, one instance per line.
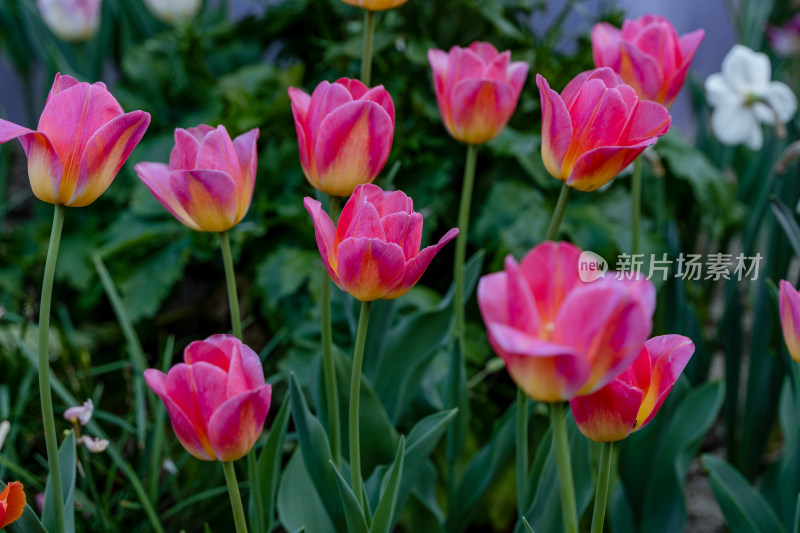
790 318
561 337
477 90
71 20
595 128
208 184
217 400
83 139
631 401
648 54
345 133
374 252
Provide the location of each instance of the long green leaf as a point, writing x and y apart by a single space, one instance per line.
383 520
356 523
66 457
269 462
788 222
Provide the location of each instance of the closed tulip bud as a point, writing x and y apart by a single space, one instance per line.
595 128
631 401
375 5
374 252
477 90
12 503
344 132
648 54
561 337
81 143
71 20
217 398
790 318
173 11
208 184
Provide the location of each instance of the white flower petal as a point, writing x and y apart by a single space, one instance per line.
747 70
782 100
720 92
755 139
733 125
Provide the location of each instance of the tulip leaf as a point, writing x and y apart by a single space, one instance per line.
387 504
788 222
527 526
316 452
744 508
299 503
356 523
269 464
27 523
66 458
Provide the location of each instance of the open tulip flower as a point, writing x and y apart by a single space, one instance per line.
477 90
345 133
596 127
375 5
561 337
208 184
648 54
790 318
631 401
374 252
83 139
217 399
71 20
12 503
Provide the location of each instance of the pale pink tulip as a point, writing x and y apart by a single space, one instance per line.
71 20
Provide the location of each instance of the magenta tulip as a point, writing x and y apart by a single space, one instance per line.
631 401
648 54
374 252
217 399
561 337
345 133
81 143
477 90
208 184
790 318
595 128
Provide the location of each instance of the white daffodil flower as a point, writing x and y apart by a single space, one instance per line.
744 97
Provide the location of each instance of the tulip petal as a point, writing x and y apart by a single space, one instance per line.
245 371
369 269
217 152
155 176
556 129
105 153
365 223
404 230
522 311
325 98
560 260
207 352
300 103
609 414
199 389
607 76
245 145
61 83
236 425
606 41
649 120
13 499
640 70
184 153
352 146
381 96
486 51
44 166
207 196
481 109
599 166
324 232
366 192
492 298
356 88
669 355
790 318
546 371
417 265
517 74
599 116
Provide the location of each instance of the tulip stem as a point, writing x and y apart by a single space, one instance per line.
636 198
369 41
558 214
601 496
230 279
328 364
50 437
561 445
355 391
457 367
236 498
522 452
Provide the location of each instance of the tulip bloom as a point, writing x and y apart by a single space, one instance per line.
790 318
12 503
172 11
375 5
374 252
631 401
561 337
477 90
71 20
595 128
648 54
82 141
208 184
217 399
345 133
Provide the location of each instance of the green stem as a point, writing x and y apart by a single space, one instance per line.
522 452
355 390
50 438
601 496
236 498
328 364
369 41
559 429
230 279
558 214
636 198
460 320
